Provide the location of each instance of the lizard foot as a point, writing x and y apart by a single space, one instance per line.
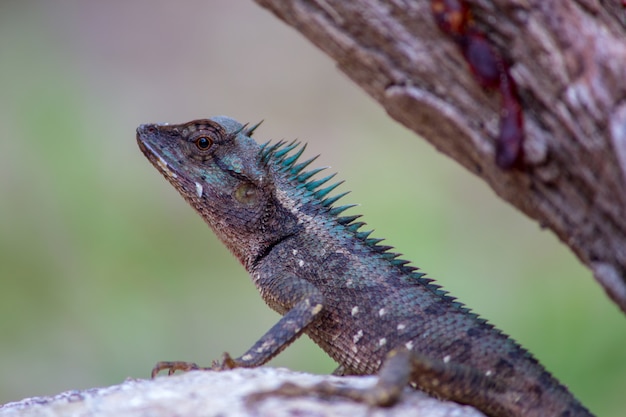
371 397
393 377
226 363
172 367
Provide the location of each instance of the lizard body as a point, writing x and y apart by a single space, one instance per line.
352 295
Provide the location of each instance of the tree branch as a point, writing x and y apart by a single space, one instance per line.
568 59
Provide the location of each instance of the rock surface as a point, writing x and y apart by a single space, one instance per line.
224 394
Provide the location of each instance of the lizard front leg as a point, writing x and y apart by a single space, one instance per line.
303 303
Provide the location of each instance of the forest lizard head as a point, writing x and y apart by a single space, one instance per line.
227 177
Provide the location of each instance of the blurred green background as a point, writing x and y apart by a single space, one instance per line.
105 270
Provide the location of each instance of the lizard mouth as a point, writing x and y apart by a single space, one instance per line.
153 156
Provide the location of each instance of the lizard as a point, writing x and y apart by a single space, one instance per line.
368 309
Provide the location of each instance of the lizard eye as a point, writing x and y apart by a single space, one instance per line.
247 193
203 143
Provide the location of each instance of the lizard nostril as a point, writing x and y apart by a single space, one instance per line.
147 128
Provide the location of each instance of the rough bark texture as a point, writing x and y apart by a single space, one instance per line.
223 394
569 61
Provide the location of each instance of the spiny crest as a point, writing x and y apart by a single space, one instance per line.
285 156
280 154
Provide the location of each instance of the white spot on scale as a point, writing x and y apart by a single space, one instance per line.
199 190
266 345
246 357
357 336
381 312
354 311
382 342
294 252
489 373
300 263
409 345
446 359
161 162
354 349
401 326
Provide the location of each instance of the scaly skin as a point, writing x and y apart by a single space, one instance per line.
330 280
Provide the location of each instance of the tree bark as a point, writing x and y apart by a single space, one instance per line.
568 59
